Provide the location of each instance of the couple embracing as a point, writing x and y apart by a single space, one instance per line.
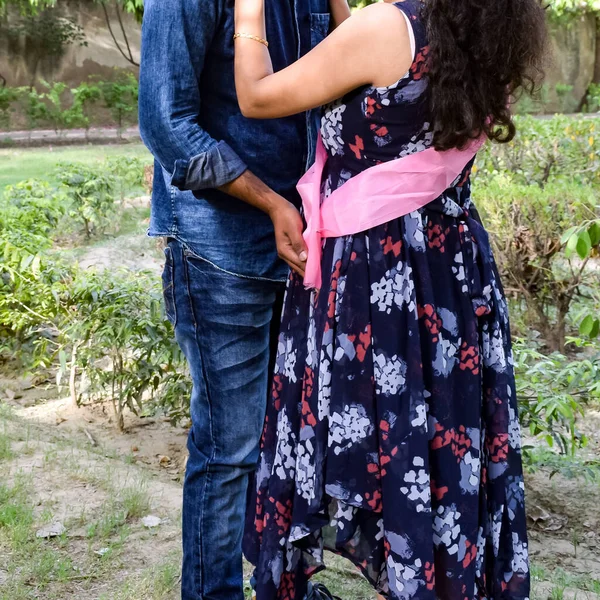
362 401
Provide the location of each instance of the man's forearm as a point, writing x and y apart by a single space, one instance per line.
250 189
340 11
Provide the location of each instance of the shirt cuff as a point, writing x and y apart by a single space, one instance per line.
210 170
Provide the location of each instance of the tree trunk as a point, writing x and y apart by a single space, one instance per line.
597 66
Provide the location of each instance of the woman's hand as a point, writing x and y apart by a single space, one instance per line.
288 235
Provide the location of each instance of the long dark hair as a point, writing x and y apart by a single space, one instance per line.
481 54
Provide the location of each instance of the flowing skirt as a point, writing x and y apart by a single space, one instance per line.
392 435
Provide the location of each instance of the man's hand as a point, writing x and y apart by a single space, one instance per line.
288 235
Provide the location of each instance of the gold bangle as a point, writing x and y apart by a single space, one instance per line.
249 36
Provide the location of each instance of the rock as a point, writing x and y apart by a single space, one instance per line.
164 461
151 521
50 531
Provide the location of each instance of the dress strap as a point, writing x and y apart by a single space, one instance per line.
411 9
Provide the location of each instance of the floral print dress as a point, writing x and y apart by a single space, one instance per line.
391 436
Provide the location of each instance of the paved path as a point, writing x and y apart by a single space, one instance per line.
95 135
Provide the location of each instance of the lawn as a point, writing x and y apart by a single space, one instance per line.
40 163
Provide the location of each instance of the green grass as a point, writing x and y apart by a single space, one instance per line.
18 164
156 583
135 500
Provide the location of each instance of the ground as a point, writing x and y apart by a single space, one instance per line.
66 466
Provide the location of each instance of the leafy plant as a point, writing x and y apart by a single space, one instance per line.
34 107
526 223
84 97
120 97
90 195
128 172
7 98
120 320
61 116
553 391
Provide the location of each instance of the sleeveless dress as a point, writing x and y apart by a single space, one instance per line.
392 436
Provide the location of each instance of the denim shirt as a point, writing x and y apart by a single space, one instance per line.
191 122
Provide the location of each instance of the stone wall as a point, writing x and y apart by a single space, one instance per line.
572 62
100 57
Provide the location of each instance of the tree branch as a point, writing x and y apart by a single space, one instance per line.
131 59
112 34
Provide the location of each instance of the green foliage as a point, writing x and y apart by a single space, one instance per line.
593 98
128 172
8 97
29 212
84 97
559 148
62 117
62 108
35 108
560 8
526 223
552 392
120 321
120 97
90 196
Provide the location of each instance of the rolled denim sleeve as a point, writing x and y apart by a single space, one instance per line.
176 35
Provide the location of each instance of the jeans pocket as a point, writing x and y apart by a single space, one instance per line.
319 27
168 283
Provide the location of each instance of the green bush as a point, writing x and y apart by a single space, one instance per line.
120 321
128 173
29 212
526 225
90 196
552 390
546 150
121 98
8 96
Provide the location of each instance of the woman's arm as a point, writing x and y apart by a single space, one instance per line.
340 11
370 47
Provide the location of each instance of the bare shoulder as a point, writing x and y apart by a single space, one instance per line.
381 17
381 23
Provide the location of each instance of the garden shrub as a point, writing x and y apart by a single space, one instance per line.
546 150
538 198
526 225
90 194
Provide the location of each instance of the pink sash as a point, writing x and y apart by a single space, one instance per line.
377 195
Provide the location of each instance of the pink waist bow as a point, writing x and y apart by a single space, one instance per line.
375 196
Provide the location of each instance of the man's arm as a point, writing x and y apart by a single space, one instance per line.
176 35
340 11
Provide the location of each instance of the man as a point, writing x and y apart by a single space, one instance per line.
223 280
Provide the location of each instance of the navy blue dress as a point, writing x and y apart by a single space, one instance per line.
392 435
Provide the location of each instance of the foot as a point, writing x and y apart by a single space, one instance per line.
317 591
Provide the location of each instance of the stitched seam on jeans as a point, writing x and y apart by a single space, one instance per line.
238 275
212 437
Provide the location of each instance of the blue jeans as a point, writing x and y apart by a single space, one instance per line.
224 324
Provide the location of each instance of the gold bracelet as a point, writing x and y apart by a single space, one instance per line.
249 36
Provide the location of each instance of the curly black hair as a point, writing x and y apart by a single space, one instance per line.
482 54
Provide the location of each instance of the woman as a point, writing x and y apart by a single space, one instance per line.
392 435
